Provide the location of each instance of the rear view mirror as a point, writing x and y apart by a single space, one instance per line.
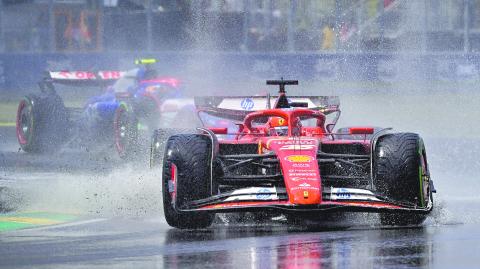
218 130
361 130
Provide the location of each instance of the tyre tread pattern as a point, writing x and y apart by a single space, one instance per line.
397 166
50 123
397 163
191 154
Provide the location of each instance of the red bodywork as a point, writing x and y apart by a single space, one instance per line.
297 154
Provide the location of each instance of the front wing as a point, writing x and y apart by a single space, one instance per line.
276 199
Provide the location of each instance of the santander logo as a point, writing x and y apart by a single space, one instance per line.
299 158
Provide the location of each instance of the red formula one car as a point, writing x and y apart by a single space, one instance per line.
289 160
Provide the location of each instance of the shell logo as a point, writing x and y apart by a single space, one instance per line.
299 158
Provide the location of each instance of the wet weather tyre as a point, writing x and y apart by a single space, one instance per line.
41 123
186 178
125 131
401 175
159 141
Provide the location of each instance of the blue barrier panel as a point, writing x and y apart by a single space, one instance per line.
23 71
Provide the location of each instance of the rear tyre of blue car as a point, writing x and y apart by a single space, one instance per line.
185 178
41 123
401 175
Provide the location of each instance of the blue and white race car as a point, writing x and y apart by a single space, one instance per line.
132 101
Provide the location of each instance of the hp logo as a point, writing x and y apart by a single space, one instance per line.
247 104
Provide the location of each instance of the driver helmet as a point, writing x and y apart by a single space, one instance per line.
278 126
146 73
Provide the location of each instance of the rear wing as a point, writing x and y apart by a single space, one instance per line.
83 78
237 107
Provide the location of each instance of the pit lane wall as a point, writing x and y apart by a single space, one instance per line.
23 71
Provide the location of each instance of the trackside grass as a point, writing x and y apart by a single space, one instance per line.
8 113
15 221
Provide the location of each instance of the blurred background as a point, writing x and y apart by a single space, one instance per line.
240 25
328 40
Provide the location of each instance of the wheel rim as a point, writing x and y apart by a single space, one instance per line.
424 180
172 183
24 122
169 190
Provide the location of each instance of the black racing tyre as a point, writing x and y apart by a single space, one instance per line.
185 178
41 123
401 175
159 141
125 131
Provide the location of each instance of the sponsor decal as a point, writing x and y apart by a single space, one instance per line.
247 104
342 193
299 158
301 165
355 197
253 193
302 171
302 174
297 147
78 75
110 74
263 194
352 190
85 75
303 178
351 194
293 142
305 186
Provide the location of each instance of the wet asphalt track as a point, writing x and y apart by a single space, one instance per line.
107 234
